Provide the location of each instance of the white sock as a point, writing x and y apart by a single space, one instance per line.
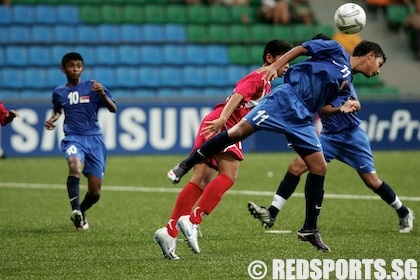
397 204
278 202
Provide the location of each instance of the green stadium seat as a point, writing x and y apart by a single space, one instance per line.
155 14
396 14
261 33
112 14
219 33
302 32
282 32
197 14
239 54
176 14
324 29
90 14
197 33
237 13
133 14
256 54
219 14
240 33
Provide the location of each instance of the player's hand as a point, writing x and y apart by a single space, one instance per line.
349 106
270 73
98 88
49 125
11 115
212 127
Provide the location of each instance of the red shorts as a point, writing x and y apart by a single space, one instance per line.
234 149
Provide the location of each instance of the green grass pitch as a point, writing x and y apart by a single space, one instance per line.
38 241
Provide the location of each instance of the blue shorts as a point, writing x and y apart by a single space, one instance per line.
350 146
283 112
89 149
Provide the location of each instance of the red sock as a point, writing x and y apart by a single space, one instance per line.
210 197
183 205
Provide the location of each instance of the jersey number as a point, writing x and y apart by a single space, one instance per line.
73 97
72 150
261 115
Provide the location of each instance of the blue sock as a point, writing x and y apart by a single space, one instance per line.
73 191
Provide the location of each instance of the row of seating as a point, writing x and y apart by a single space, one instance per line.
39 14
97 2
123 54
88 34
126 76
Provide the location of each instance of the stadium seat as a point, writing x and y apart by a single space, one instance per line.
239 54
88 53
195 54
65 34
127 77
111 14
155 14
105 75
282 32
218 33
194 76
57 53
197 14
133 14
217 54
39 55
129 54
12 78
173 54
149 77
219 14
19 34
16 55
168 92
87 34
68 14
239 13
153 33
35 77
90 14
176 14
22 14
302 32
131 33
216 76
55 77
234 73
4 34
170 76
42 34
396 14
197 33
5 15
261 33
191 91
174 33
46 14
109 33
106 55
239 33
151 54
256 54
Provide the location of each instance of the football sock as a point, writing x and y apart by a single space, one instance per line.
314 194
88 201
211 196
208 149
389 196
73 191
284 191
183 206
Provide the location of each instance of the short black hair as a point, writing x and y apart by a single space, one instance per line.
71 56
321 36
364 47
276 47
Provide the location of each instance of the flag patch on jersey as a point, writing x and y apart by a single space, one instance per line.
84 99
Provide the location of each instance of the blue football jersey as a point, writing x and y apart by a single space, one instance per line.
323 78
80 105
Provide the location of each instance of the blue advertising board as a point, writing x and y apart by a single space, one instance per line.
170 128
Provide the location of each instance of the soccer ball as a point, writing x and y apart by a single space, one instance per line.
350 18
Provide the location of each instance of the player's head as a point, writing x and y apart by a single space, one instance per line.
72 66
321 36
273 51
371 58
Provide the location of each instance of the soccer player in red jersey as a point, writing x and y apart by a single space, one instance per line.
202 187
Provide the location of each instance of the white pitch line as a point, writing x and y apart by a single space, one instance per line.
177 190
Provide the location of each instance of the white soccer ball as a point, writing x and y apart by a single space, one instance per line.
350 18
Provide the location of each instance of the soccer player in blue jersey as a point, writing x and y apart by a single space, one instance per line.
343 139
325 78
83 143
